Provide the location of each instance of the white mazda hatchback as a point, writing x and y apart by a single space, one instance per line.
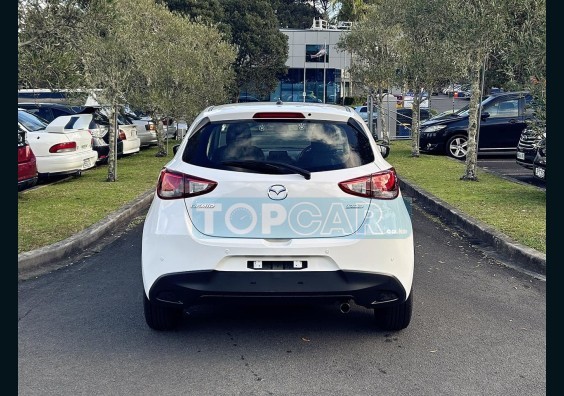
271 201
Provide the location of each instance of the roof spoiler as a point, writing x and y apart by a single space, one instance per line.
64 124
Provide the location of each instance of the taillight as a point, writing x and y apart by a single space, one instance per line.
174 185
63 147
122 135
381 185
150 127
24 154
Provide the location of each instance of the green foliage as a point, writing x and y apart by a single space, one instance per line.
49 44
262 48
207 12
294 14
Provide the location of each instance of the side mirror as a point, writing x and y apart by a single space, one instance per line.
485 115
384 150
175 148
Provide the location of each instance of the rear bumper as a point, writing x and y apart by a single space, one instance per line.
131 145
366 289
528 156
27 183
67 163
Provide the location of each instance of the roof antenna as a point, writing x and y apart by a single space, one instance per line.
279 101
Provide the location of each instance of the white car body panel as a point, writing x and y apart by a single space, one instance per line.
132 143
193 243
56 132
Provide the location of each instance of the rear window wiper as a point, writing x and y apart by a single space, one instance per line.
250 164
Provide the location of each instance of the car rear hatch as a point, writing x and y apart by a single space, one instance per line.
251 205
313 179
74 128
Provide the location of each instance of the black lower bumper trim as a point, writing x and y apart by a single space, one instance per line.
366 289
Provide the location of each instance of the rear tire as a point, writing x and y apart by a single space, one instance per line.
395 317
160 317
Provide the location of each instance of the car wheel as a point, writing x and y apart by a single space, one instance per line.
457 146
395 317
160 317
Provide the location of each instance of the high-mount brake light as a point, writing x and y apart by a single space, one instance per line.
174 185
380 185
63 147
275 114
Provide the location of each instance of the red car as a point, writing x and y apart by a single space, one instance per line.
27 169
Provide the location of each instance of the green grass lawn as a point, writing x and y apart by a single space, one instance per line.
54 212
514 209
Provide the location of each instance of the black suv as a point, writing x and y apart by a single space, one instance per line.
502 121
527 146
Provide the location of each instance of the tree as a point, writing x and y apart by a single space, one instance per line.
373 43
107 63
262 48
424 60
183 67
48 41
486 23
351 10
208 12
294 14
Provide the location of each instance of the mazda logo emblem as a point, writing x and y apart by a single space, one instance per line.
277 192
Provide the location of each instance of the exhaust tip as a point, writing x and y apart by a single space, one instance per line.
345 307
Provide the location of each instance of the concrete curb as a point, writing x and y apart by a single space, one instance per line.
31 261
518 255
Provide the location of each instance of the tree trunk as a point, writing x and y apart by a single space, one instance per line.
473 123
161 152
381 119
112 156
416 104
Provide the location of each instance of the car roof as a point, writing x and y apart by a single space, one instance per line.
235 111
55 105
498 94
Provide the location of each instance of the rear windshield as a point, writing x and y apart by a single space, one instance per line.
31 122
311 145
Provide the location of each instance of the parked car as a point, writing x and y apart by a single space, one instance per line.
27 165
146 129
405 115
539 163
290 201
243 98
502 121
63 146
310 98
98 130
527 147
363 111
127 132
